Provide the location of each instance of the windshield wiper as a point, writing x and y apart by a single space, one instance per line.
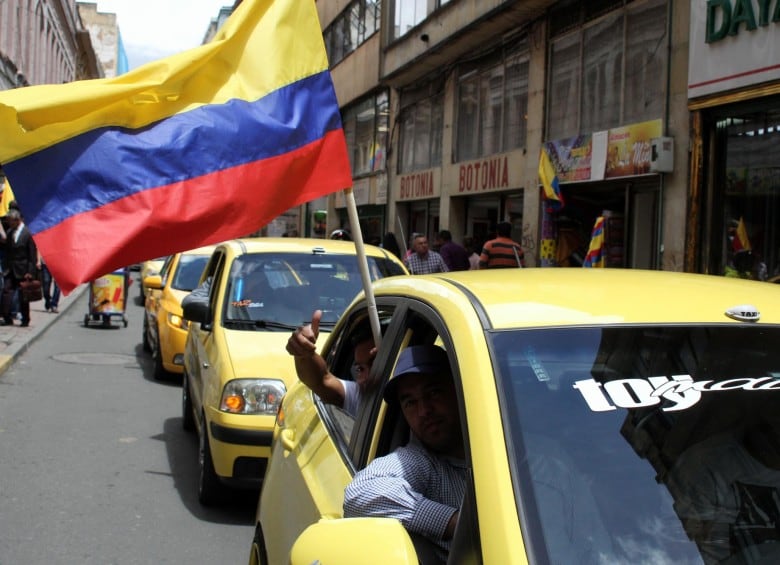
258 324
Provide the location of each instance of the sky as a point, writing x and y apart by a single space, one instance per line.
153 29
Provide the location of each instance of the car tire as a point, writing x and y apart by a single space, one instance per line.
257 552
187 417
145 341
209 487
159 371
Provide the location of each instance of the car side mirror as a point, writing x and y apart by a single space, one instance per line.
334 541
196 311
153 281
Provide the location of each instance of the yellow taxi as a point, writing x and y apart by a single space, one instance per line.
606 416
164 329
149 267
236 368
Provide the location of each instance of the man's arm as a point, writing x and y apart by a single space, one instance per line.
310 366
393 486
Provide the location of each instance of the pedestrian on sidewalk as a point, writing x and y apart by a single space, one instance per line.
502 252
51 290
21 261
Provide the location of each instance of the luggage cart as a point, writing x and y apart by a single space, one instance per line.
108 298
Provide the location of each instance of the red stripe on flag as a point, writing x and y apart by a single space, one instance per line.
209 209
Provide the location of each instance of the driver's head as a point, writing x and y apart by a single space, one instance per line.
422 385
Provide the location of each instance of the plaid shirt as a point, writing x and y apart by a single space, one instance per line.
431 263
418 488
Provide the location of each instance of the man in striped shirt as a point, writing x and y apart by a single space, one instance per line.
421 484
502 252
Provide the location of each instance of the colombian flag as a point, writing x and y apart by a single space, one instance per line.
549 179
206 145
595 256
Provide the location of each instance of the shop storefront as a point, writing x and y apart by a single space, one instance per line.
610 184
734 99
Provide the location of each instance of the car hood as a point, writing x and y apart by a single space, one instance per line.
260 354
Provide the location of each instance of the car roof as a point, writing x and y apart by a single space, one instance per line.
301 245
514 298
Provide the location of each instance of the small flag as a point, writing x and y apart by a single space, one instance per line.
741 242
206 145
595 256
549 180
6 198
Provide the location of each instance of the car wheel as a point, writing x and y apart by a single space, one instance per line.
209 487
187 417
145 340
159 371
257 553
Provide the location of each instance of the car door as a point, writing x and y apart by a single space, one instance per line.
198 336
311 457
378 430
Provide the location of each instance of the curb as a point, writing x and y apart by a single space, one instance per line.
21 339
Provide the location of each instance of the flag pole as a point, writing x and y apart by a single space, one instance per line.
357 236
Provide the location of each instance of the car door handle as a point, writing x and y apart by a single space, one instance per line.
205 365
287 437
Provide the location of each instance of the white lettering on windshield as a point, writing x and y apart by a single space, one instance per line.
679 391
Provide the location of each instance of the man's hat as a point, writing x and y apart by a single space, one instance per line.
420 360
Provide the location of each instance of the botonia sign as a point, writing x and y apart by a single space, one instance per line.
727 17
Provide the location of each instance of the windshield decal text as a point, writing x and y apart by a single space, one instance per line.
679 392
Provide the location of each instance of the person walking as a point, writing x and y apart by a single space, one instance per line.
502 252
21 262
423 261
473 249
454 255
51 290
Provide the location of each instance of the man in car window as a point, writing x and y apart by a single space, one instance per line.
422 483
314 373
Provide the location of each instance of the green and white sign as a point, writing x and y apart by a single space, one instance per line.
733 44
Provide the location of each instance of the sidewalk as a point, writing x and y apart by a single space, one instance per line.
14 340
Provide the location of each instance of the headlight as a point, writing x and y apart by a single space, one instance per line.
177 321
252 396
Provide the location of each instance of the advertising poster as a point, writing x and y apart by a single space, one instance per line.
108 294
571 157
628 149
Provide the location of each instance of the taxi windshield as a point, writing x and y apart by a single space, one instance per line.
644 444
275 291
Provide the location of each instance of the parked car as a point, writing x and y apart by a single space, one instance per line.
236 368
164 329
150 267
608 416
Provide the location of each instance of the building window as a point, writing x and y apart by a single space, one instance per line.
421 134
493 106
358 22
407 14
366 127
618 78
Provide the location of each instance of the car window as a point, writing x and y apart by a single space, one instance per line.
188 272
278 291
340 358
619 432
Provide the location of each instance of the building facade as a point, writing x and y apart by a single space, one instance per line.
449 104
44 42
106 38
734 101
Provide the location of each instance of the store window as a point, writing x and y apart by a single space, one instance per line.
605 69
422 123
366 127
745 233
407 14
493 105
359 20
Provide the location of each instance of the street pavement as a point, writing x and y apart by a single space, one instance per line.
14 340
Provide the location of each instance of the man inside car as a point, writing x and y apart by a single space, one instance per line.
421 484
